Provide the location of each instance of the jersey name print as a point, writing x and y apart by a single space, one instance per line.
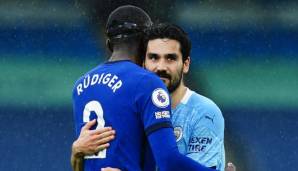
128 98
107 79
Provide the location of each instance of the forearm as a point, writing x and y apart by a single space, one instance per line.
166 153
77 159
77 163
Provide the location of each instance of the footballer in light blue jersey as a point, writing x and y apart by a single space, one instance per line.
198 125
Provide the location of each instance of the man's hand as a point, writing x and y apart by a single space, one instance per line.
110 169
230 167
92 141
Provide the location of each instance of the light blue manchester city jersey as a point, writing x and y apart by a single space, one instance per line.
199 130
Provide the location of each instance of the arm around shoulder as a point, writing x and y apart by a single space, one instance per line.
166 153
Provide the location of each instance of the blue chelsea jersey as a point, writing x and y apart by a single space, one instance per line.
199 129
128 98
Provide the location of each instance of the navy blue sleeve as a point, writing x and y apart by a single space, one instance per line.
166 153
153 103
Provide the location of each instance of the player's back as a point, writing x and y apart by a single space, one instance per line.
110 93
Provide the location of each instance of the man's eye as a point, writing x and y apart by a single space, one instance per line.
172 57
152 57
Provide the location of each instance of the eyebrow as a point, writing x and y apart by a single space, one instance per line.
172 55
152 55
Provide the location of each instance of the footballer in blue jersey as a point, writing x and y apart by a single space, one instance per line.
135 102
127 97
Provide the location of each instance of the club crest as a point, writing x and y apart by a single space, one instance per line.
178 133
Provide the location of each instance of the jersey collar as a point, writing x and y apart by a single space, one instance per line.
186 96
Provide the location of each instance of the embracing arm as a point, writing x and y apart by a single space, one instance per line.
166 153
77 159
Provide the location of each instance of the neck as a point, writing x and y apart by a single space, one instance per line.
178 94
120 55
126 52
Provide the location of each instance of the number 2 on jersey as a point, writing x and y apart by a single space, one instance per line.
95 106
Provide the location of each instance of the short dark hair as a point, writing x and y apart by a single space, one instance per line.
127 21
169 31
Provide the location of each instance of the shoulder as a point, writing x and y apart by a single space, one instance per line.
149 78
150 86
139 73
203 107
199 102
81 79
206 114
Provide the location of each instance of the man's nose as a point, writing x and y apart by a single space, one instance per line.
161 66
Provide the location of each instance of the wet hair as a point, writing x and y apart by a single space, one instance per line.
169 31
126 23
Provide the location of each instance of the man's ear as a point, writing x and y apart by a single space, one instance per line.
109 45
186 65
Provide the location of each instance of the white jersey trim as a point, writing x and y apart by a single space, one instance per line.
186 96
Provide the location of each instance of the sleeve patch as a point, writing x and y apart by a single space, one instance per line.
160 98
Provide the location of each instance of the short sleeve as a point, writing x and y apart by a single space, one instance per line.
205 143
153 103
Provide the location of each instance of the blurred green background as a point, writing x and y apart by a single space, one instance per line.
244 57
